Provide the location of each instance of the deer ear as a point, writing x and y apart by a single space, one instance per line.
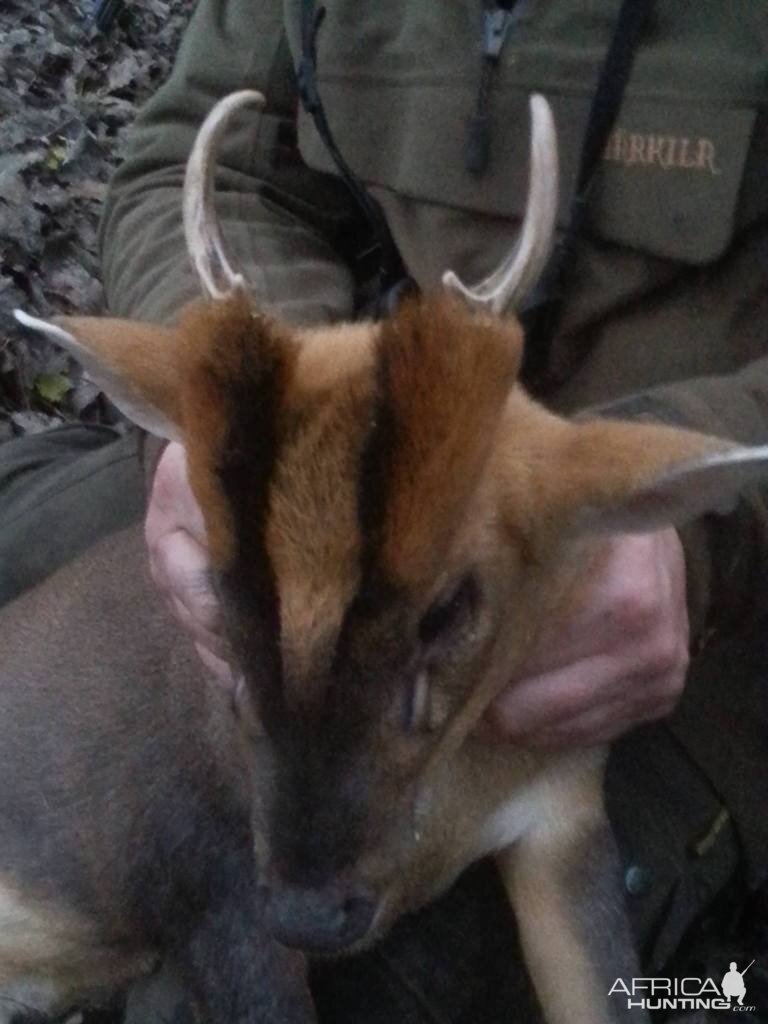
134 363
657 476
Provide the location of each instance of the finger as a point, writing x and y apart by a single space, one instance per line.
180 566
538 702
172 504
586 731
641 701
219 669
595 687
202 637
595 727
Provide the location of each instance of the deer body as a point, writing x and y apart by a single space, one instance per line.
120 762
393 526
123 796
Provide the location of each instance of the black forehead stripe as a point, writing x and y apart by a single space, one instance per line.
249 464
374 590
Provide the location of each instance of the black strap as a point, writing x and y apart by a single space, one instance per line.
383 252
542 317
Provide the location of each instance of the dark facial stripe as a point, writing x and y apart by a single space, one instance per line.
327 748
375 591
375 471
250 457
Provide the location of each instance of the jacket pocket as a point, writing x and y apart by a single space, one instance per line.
670 180
668 184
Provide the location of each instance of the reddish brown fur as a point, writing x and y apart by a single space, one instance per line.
604 462
551 470
446 377
313 532
229 349
143 354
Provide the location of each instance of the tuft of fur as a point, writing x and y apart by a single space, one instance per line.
445 376
237 364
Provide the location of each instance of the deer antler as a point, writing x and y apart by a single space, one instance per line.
521 268
201 228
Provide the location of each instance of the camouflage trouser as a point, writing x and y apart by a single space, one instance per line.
457 960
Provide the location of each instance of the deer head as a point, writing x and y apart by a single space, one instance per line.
389 519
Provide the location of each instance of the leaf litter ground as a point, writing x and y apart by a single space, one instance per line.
68 95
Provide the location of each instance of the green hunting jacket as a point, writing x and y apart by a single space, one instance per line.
667 313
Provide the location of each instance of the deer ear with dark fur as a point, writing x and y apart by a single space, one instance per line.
134 363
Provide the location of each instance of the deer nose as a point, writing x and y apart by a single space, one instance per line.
319 920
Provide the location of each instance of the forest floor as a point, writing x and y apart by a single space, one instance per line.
69 92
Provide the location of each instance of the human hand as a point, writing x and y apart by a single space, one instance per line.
619 659
179 562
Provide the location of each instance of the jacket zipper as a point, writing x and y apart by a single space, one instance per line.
497 21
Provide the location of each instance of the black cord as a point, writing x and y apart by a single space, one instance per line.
544 312
391 270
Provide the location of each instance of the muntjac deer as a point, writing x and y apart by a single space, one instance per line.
392 523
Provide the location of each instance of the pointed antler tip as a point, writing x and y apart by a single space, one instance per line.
204 240
520 269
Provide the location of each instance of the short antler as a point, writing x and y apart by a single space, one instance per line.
201 228
506 286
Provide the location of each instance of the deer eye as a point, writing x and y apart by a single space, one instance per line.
446 611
